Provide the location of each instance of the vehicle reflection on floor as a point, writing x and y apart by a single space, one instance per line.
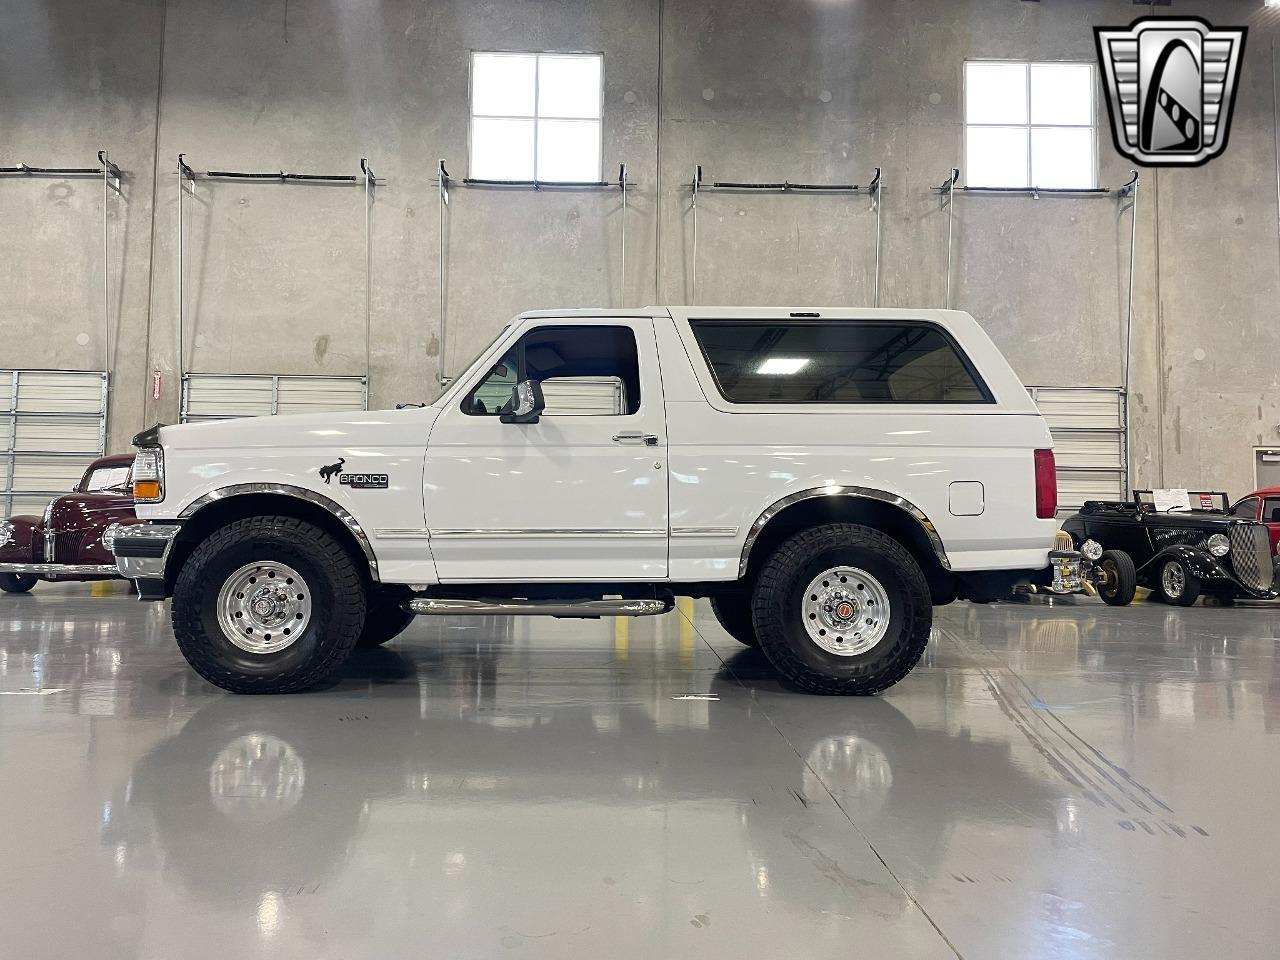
1065 780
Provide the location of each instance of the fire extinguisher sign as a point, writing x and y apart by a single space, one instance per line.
155 384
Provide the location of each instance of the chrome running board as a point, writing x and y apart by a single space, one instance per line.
446 606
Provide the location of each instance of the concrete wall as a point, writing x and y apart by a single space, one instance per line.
752 89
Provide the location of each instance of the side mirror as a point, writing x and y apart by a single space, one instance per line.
525 405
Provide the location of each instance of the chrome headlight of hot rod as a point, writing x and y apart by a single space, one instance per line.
6 532
1219 545
109 537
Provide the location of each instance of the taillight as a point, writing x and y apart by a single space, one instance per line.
1046 485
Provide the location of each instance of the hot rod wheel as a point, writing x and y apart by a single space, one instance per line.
1176 584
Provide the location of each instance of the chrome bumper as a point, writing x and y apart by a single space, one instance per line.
141 549
62 569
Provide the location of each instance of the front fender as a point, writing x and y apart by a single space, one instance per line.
1200 562
25 532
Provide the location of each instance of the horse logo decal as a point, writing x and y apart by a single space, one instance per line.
327 472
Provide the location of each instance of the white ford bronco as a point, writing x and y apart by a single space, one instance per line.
824 476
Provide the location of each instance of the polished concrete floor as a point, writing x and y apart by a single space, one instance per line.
1052 782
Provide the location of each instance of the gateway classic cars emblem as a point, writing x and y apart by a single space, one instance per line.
1171 86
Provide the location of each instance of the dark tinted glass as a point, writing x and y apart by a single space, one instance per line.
837 362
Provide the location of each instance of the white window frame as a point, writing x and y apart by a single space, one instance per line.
1029 126
536 117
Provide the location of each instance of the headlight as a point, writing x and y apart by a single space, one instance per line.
1219 545
109 537
1092 549
148 475
6 532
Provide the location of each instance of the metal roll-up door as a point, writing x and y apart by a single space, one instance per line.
53 424
1088 425
212 396
584 396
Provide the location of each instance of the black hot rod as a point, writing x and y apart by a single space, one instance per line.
1181 551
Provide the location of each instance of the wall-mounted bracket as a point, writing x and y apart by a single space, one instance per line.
698 185
444 179
112 180
187 178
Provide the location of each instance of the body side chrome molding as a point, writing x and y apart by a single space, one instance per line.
298 493
401 533
704 531
539 533
838 490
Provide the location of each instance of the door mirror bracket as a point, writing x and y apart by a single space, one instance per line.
526 403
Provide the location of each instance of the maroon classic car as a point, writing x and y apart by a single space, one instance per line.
72 541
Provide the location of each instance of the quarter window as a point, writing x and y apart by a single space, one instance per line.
765 361
1030 125
584 371
536 116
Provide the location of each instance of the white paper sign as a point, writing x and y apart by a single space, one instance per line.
1176 499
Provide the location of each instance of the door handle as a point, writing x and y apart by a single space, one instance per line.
648 439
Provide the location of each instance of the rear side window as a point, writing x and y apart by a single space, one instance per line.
776 361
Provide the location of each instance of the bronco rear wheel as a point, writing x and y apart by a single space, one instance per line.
17 582
268 605
842 609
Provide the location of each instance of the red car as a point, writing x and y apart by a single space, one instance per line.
72 541
1263 505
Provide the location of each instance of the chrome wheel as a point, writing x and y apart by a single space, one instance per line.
1173 579
846 611
264 607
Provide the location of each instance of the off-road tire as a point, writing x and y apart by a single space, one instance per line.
338 606
17 582
733 610
777 609
1122 577
1190 589
385 619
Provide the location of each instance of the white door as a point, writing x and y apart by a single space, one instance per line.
579 495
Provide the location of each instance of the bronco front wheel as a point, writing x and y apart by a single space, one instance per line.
268 605
842 608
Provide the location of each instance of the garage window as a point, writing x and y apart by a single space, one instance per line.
584 371
1030 125
536 116
766 361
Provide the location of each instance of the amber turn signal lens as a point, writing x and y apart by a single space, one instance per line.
146 490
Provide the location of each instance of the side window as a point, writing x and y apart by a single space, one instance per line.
1271 510
584 371
1247 508
848 361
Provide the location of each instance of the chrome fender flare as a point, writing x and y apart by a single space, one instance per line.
841 490
298 493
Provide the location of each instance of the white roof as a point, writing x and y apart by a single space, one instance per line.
747 312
